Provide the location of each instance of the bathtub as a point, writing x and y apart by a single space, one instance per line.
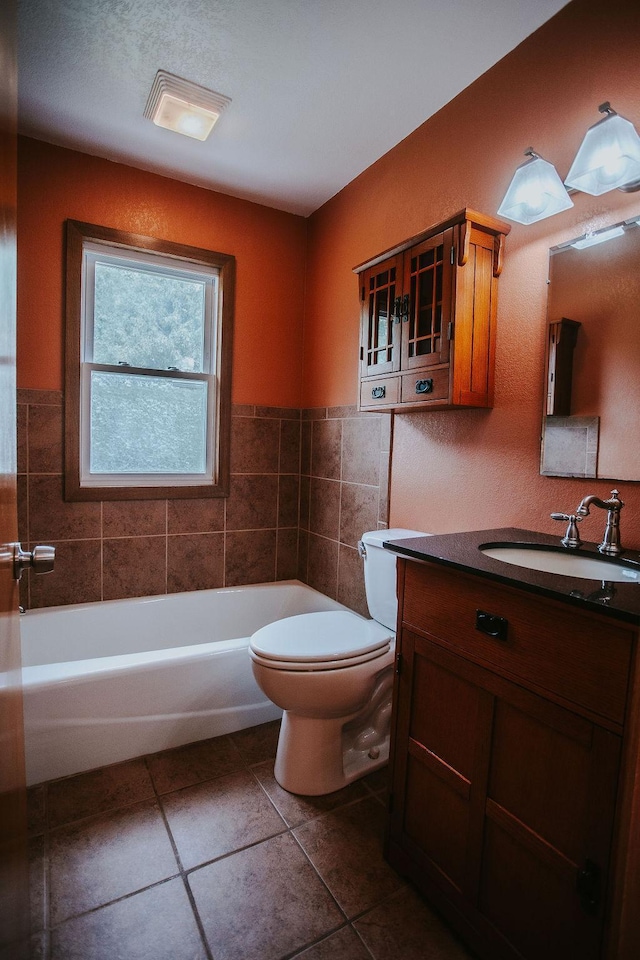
105 682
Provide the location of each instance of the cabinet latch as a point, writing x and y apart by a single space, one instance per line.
450 330
589 887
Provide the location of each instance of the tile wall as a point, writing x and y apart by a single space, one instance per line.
304 485
344 490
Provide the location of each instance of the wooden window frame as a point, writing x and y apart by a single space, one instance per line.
77 234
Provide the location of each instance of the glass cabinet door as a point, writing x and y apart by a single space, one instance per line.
382 305
428 278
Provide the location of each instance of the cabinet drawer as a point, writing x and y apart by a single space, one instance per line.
379 393
425 385
581 659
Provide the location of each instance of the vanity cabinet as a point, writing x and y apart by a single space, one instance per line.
510 802
428 317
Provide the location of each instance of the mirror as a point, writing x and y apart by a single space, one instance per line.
591 421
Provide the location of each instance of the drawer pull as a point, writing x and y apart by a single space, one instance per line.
424 386
491 625
378 393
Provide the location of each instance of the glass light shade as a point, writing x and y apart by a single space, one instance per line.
609 157
535 192
180 116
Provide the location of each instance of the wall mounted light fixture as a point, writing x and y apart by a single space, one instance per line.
184 107
608 159
535 192
609 156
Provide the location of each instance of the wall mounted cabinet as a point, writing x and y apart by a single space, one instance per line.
428 317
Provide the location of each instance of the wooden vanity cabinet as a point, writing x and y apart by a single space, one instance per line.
428 313
508 749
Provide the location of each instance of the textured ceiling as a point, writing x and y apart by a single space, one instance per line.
320 89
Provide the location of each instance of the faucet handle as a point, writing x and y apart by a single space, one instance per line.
571 538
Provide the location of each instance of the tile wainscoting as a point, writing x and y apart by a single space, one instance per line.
304 485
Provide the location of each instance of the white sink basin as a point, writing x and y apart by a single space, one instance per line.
565 564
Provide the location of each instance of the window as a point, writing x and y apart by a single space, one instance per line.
148 367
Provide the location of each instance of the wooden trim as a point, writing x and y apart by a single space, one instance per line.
481 220
77 233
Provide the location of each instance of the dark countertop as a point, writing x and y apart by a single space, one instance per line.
461 551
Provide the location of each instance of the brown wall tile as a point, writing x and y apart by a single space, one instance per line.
52 518
322 566
195 516
74 579
361 449
45 439
326 449
305 448
288 500
324 512
351 590
250 557
255 445
134 567
290 432
134 518
195 562
253 502
287 554
21 438
358 512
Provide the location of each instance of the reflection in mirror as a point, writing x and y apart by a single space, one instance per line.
595 371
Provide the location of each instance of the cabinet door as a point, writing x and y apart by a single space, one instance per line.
381 304
505 802
548 827
428 278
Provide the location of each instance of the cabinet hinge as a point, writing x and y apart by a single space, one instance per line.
362 353
453 255
390 803
450 330
399 664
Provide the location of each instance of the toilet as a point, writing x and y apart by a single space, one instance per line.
331 673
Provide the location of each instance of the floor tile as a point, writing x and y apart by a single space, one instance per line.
258 743
37 809
263 903
104 858
345 846
157 924
98 791
343 945
296 809
378 781
37 885
404 926
193 763
214 818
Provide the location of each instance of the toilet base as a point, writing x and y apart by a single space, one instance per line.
311 759
317 756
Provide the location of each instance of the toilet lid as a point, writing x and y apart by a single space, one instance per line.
335 635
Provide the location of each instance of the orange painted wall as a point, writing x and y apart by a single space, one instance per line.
478 469
270 247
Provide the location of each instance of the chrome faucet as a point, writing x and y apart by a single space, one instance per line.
610 545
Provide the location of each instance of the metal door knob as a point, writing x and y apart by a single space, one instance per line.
41 559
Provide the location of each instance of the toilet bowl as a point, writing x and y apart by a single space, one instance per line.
332 675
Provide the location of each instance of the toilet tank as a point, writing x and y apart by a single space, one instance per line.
380 573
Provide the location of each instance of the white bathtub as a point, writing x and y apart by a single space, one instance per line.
105 682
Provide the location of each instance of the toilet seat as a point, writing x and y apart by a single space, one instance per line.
319 641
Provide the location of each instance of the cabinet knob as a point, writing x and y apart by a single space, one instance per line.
378 393
492 625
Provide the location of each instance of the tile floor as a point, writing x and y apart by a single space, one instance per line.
197 854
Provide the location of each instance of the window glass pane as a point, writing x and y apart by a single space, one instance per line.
146 319
144 424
